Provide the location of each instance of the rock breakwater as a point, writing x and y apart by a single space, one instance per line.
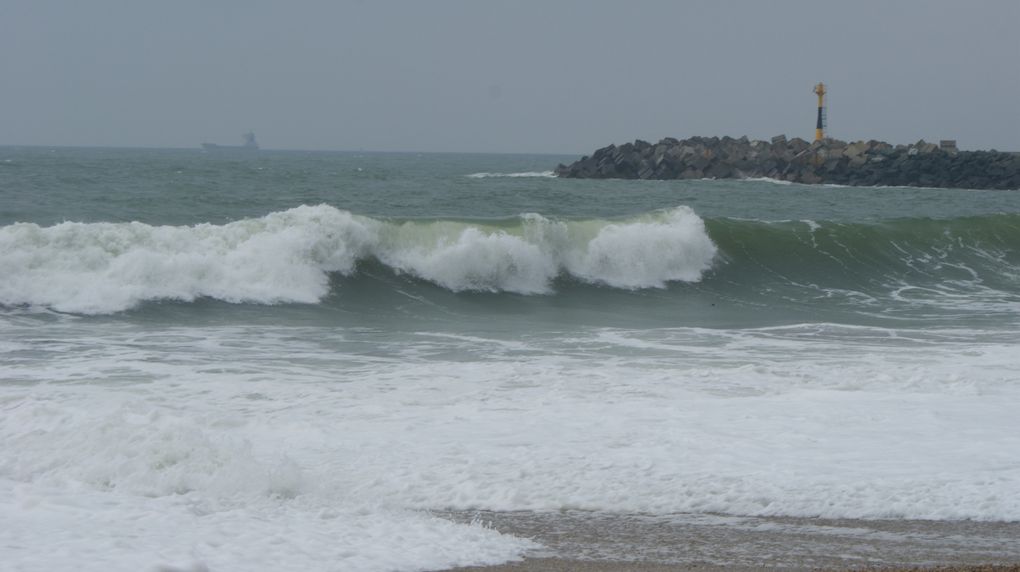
865 163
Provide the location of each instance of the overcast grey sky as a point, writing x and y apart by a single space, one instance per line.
525 76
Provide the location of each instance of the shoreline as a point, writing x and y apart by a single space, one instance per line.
603 542
560 565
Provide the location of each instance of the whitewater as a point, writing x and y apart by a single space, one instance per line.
311 361
287 257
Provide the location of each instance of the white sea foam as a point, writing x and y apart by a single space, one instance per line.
477 260
214 455
646 253
527 174
287 257
105 267
768 180
128 486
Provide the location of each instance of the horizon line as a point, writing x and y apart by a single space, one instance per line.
299 150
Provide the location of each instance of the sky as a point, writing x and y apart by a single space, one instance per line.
509 76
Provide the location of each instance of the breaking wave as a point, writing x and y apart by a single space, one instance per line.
294 256
288 256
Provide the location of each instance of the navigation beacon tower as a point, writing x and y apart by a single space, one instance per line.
821 124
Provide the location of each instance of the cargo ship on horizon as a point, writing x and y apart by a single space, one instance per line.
249 144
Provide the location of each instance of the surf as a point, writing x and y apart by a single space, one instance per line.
289 256
307 254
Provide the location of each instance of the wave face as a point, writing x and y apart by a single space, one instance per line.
898 259
295 256
288 256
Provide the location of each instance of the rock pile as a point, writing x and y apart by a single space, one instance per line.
867 163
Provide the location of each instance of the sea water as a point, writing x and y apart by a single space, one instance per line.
302 361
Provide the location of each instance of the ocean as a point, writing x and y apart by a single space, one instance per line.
306 361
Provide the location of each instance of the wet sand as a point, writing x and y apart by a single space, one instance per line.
559 565
555 565
599 542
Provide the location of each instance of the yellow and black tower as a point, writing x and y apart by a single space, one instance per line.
820 125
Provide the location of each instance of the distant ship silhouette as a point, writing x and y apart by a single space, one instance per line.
249 144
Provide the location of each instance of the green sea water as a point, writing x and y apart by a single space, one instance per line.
188 186
783 253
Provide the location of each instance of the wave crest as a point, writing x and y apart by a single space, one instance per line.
287 256
106 267
646 253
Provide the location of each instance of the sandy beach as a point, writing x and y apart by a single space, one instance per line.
582 541
560 565
557 565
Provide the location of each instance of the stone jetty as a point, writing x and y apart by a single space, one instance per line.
829 161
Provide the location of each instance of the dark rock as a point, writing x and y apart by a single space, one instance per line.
828 161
